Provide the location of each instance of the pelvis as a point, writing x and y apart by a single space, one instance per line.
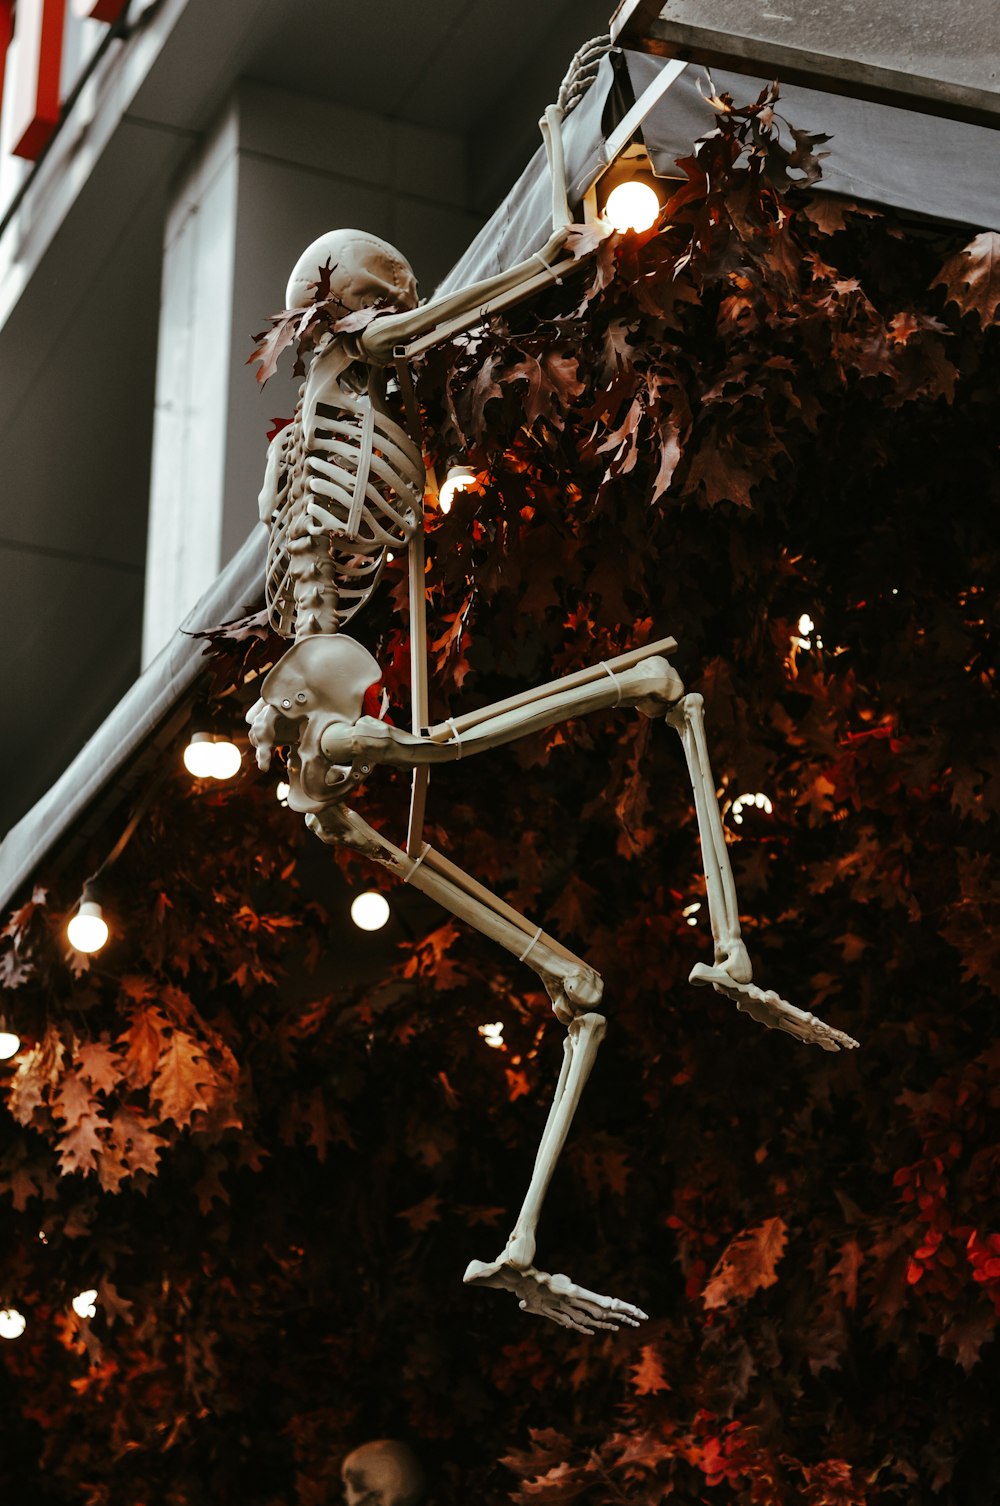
321 681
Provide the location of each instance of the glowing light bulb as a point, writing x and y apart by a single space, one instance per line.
199 755
759 801
85 1304
282 790
458 479
632 206
493 1034
88 930
12 1323
226 757
210 756
370 910
10 1045
806 625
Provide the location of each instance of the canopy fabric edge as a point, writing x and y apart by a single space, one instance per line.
141 711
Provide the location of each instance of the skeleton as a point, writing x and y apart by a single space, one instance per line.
382 1473
344 484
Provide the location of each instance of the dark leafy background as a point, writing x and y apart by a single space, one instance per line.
272 1151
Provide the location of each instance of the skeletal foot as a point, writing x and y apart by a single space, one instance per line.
555 1297
770 1009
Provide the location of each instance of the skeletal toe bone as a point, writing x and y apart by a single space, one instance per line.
555 1297
768 1008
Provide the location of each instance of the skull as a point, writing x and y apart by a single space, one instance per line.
382 1473
363 269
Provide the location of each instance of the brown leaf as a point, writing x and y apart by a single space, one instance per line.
422 1215
138 1145
143 1041
748 1264
100 1064
81 1145
181 1076
972 278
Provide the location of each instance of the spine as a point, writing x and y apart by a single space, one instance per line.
314 584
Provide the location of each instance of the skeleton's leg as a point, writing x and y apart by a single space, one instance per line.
583 1038
688 719
651 685
555 1297
573 986
731 974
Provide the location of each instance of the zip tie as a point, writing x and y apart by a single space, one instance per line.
531 945
456 737
614 680
416 862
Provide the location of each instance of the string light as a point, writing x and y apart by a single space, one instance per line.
12 1323
210 755
633 205
10 1044
690 912
85 1303
458 479
370 910
88 930
806 627
745 802
493 1034
282 790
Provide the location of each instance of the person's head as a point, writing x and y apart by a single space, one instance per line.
384 1472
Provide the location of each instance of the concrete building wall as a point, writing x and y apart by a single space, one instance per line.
277 170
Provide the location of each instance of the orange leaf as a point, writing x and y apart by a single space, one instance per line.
747 1264
647 1376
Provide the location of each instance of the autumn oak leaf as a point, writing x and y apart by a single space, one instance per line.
747 1264
647 1376
972 278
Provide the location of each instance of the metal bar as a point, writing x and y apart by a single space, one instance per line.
444 731
419 703
632 20
764 58
624 131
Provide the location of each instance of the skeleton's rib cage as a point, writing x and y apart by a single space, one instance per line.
344 485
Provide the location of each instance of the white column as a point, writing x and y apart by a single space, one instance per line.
183 554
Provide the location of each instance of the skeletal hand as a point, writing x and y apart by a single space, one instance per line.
556 1297
581 72
263 723
768 1008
